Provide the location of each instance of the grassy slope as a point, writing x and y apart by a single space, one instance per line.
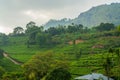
9 66
19 51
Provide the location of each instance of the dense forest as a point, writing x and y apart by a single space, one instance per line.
60 52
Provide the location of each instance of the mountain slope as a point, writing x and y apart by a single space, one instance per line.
94 16
54 23
99 14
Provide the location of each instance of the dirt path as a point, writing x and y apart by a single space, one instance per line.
11 59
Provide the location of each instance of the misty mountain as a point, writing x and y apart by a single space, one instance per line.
93 17
54 23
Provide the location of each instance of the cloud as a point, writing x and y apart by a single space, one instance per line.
19 12
5 29
36 14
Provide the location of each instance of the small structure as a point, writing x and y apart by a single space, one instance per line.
98 46
76 41
93 76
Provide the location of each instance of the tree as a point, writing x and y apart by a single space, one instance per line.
118 63
43 39
75 28
1 53
118 55
61 29
56 40
13 76
86 29
30 24
78 54
53 31
59 74
117 31
110 50
18 31
71 28
32 31
105 27
42 64
79 28
39 68
4 39
107 65
2 71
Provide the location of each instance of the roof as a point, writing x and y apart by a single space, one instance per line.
93 76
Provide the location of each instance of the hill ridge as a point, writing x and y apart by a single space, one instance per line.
106 13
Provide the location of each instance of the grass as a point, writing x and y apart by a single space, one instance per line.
84 65
90 63
9 66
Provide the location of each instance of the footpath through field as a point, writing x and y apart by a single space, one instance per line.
11 59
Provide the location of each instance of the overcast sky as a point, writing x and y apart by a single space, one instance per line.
15 13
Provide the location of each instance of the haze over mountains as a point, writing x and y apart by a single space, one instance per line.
93 17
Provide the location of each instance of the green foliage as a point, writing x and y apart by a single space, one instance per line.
85 56
92 17
107 66
117 52
4 39
105 27
78 54
75 28
32 31
53 31
9 66
2 71
18 31
117 31
111 50
1 53
43 39
39 68
13 76
41 65
118 28
59 74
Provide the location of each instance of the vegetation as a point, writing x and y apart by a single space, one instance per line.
59 74
64 51
93 17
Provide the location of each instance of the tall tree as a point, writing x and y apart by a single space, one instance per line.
18 31
30 24
43 39
107 65
32 31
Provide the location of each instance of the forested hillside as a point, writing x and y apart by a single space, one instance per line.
63 50
93 17
59 39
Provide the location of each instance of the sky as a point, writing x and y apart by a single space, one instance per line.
15 13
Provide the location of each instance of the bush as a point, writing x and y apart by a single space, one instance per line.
59 74
2 71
